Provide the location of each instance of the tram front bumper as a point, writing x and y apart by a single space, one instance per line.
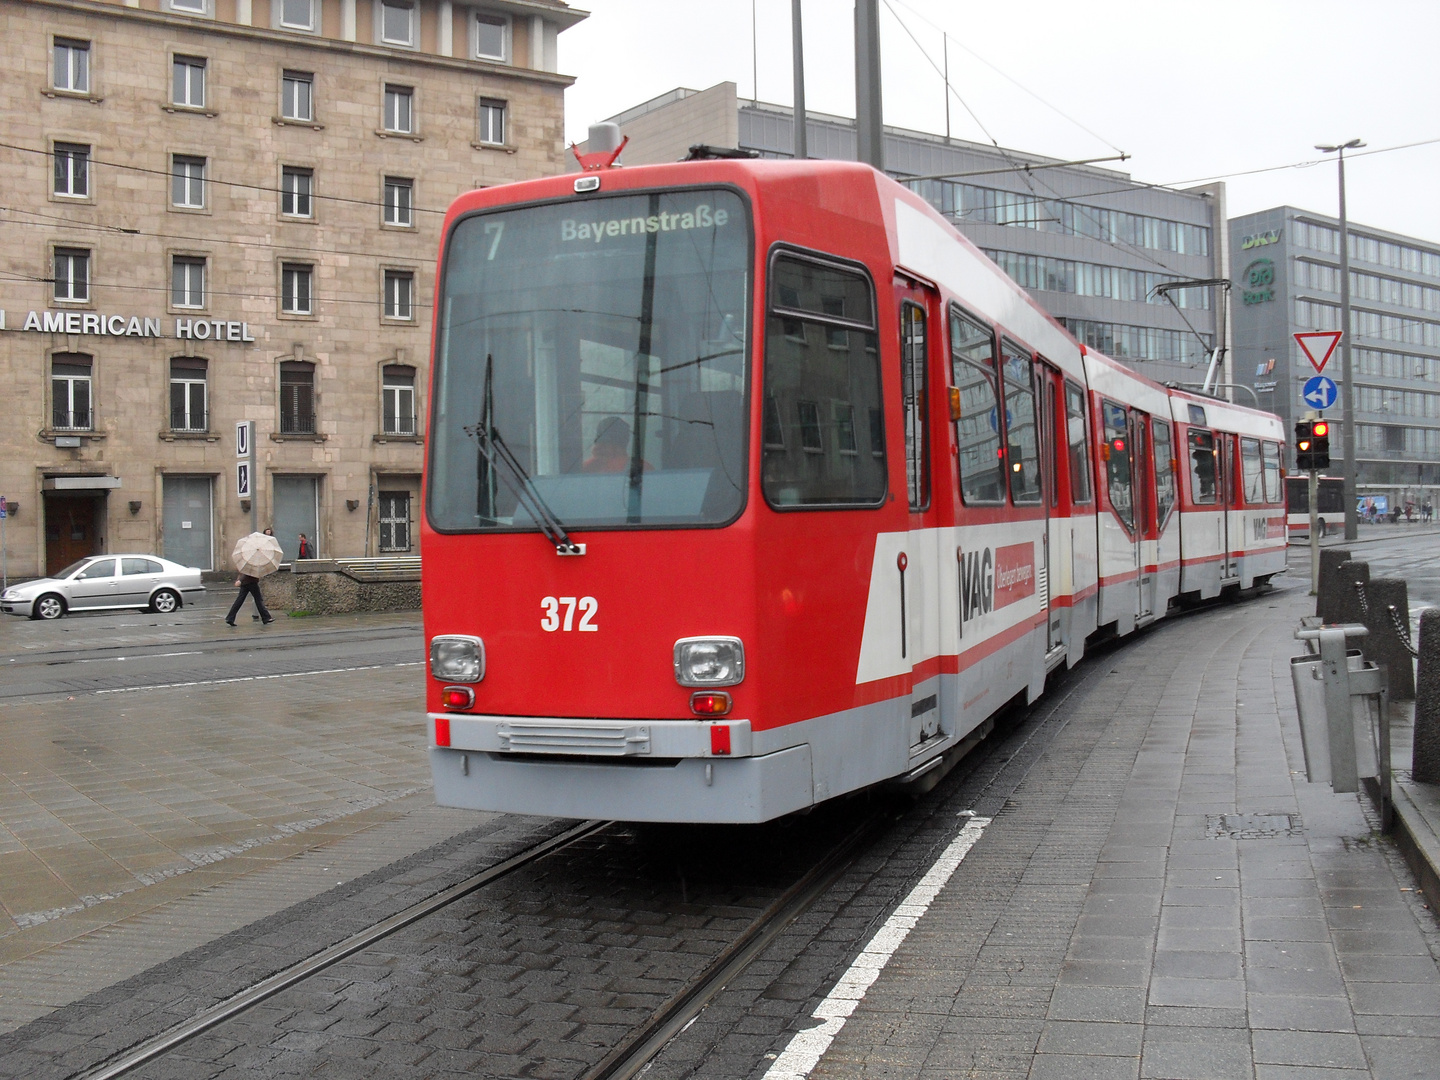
722 789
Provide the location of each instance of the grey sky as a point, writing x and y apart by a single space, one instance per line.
1189 90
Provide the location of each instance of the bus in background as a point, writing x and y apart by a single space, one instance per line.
1297 501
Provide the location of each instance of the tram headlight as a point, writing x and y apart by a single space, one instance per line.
709 661
457 658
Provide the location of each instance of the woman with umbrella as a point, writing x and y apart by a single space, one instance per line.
255 556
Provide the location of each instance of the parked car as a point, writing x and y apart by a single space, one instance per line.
105 583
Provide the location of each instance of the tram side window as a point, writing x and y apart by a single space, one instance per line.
1270 463
977 432
822 371
1164 470
1079 443
1021 430
1117 462
1250 471
1202 466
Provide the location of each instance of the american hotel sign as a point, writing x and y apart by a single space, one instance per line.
88 322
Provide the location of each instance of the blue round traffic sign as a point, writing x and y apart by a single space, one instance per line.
1320 392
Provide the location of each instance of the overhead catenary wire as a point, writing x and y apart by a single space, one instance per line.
1019 166
947 36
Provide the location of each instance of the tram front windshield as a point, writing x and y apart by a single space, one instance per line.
590 356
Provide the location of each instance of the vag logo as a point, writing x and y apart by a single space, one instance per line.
989 581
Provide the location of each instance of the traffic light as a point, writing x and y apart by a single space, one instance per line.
1312 444
1320 444
1305 445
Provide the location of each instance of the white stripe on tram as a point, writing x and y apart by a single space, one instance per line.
806 1048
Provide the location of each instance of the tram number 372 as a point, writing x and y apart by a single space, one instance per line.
553 618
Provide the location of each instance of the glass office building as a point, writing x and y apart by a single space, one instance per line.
1285 264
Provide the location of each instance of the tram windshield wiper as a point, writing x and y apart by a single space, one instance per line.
503 463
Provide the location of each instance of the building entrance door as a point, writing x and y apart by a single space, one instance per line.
187 521
297 510
73 527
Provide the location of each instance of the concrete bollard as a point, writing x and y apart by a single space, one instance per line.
1327 599
1384 645
1426 762
1347 600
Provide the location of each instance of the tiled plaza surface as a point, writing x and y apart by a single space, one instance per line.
135 826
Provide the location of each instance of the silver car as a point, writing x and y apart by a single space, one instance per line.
105 583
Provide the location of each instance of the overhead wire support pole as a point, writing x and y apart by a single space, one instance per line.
1347 387
869 120
797 45
945 49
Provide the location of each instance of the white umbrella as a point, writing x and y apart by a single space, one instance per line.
257 555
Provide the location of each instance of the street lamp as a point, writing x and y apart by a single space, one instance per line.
1347 390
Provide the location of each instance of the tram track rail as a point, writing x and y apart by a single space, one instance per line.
158 1045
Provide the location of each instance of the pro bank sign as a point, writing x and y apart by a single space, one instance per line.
90 323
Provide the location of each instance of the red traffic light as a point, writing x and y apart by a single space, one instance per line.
1321 429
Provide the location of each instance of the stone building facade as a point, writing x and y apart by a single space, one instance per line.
227 211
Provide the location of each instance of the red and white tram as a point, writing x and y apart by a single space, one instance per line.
752 483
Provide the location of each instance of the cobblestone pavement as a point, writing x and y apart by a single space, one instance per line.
1160 895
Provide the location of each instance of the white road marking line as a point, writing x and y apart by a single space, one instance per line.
806 1048
258 678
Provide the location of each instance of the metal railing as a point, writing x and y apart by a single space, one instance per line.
72 420
191 424
297 422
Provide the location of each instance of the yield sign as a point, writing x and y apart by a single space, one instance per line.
1319 345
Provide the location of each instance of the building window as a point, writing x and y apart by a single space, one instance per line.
188 406
399 201
187 83
492 121
397 400
492 37
297 96
72 66
72 170
295 288
188 7
187 282
297 14
399 112
394 521
397 22
297 397
187 182
296 191
399 294
72 274
70 395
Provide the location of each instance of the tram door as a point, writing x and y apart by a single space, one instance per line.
1146 548
1230 520
1048 385
1124 491
920 563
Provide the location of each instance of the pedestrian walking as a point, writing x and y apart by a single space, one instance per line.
307 551
249 585
255 555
